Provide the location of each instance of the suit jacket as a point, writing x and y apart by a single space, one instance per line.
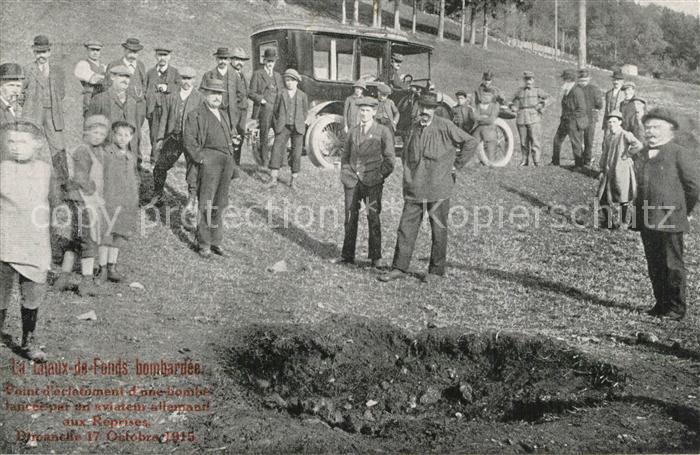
32 103
461 116
611 103
283 105
198 124
573 107
669 186
5 114
264 87
168 115
594 99
229 103
137 82
154 98
241 90
368 159
107 104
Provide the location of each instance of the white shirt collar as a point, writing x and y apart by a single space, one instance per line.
222 72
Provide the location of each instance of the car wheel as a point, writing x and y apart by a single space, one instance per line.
326 140
504 146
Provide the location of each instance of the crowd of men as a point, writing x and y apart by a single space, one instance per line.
641 165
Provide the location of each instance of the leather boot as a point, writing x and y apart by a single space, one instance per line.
114 275
30 344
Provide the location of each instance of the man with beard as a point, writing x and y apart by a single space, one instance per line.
430 162
594 103
169 141
11 77
668 176
574 119
264 86
160 80
207 138
238 58
117 103
614 96
91 73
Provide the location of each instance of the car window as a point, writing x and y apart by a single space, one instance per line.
371 57
333 58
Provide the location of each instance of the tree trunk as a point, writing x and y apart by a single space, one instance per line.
463 23
397 13
441 22
581 33
472 26
413 19
343 13
485 39
376 13
356 12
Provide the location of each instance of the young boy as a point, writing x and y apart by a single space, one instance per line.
121 199
288 119
387 113
84 196
351 108
27 191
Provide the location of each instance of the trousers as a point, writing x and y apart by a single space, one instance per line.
664 254
153 125
173 148
568 127
280 147
214 178
588 139
409 225
530 142
265 123
372 197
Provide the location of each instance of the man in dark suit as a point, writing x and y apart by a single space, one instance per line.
431 158
160 81
574 120
289 121
137 80
265 84
169 142
11 77
226 74
668 176
207 138
394 79
614 96
461 111
238 58
366 160
594 103
44 90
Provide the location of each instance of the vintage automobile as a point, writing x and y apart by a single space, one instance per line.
330 57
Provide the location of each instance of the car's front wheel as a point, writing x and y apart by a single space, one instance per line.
325 141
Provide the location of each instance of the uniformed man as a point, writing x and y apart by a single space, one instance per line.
614 96
529 103
366 161
207 138
160 81
265 84
11 77
574 120
91 72
668 177
594 103
430 160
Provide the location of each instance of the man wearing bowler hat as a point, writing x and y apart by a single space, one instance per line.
430 161
614 96
11 77
44 90
594 103
668 177
265 84
366 161
91 72
573 121
160 81
529 103
137 81
207 138
238 59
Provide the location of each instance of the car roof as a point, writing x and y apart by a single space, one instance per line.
399 40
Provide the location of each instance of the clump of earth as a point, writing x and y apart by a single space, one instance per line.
442 389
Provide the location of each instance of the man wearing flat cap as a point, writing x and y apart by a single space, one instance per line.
169 140
366 161
435 150
461 111
137 80
573 121
207 138
117 103
529 103
387 112
633 109
594 103
160 81
11 77
265 84
668 177
91 72
44 90
614 96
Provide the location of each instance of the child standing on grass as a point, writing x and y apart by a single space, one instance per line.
121 195
28 189
84 196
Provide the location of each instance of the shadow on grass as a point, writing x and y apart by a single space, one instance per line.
295 234
531 199
676 351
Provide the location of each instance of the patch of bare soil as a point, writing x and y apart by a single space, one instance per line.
444 390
